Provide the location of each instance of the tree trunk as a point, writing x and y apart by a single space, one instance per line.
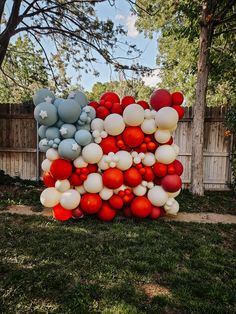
200 104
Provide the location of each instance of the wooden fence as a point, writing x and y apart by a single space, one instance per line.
18 143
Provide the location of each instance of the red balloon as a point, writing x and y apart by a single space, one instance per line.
116 202
108 145
48 180
171 183
160 98
77 213
178 167
143 104
141 207
106 213
159 169
75 180
180 111
132 177
102 112
113 178
170 141
155 213
108 104
133 136
94 104
60 213
92 168
91 203
171 169
110 96
177 98
127 212
127 100
117 108
61 169
148 174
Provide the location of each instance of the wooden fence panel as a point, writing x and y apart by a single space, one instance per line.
18 145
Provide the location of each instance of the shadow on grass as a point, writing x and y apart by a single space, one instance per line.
87 266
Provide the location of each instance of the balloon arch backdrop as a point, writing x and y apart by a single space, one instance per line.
109 157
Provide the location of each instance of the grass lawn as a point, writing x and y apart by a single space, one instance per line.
128 266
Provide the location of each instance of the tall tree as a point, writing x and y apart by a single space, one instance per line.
213 22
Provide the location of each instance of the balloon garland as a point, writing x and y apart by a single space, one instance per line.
109 157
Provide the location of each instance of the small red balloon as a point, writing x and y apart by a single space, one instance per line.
108 145
178 167
113 178
110 96
77 213
48 180
177 99
171 169
116 202
141 207
127 212
155 213
133 136
102 112
132 177
180 111
92 168
61 169
94 104
143 104
170 141
90 203
127 100
160 98
149 174
75 180
117 108
60 213
159 169
171 183
106 213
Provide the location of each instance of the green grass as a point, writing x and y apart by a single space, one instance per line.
88 266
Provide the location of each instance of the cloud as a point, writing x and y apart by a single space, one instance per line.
130 23
119 17
152 80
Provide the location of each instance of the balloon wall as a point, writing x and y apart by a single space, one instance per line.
109 157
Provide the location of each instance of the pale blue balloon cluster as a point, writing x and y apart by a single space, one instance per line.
65 124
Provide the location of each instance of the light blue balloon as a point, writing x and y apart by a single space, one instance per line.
45 114
54 145
57 102
69 110
51 142
52 132
86 126
42 131
83 137
59 123
67 130
69 149
57 141
44 145
91 113
80 122
79 97
41 95
83 117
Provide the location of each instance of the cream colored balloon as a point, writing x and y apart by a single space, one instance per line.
165 154
70 199
46 164
50 197
148 126
97 124
157 196
103 164
125 160
162 136
62 185
120 188
166 118
173 209
133 115
52 154
80 162
140 190
80 189
149 159
174 194
93 183
106 193
176 149
92 153
114 124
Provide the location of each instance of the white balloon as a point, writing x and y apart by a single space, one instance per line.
173 209
125 160
62 185
46 164
140 190
93 183
114 124
120 188
97 124
106 193
166 118
80 162
80 189
157 196
176 149
162 136
133 115
70 199
174 194
50 197
92 153
103 164
148 126
52 154
165 154
149 159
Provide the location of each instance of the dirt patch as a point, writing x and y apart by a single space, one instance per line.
203 218
152 290
26 210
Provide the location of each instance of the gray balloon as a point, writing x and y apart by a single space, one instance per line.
69 110
83 137
42 131
67 130
69 149
45 114
86 126
91 113
59 123
57 141
44 145
41 95
79 97
57 102
52 133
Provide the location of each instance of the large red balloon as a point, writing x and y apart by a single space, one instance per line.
160 98
178 167
141 207
108 145
180 111
132 177
177 99
90 203
102 112
61 169
133 136
106 213
48 180
160 169
171 183
116 202
60 213
113 178
110 96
